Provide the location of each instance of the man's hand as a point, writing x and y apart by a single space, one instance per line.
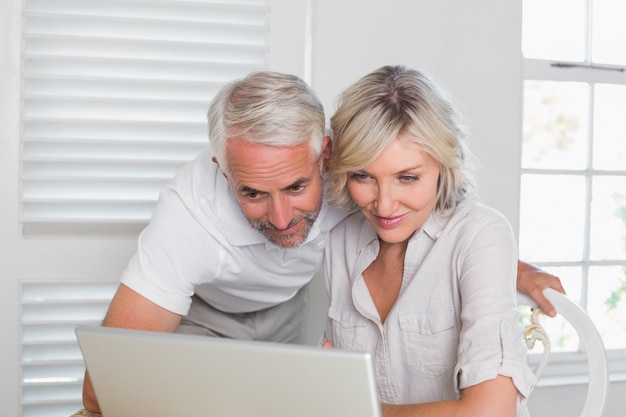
532 281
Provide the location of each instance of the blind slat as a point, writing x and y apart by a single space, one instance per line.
51 45
226 11
163 71
100 27
118 131
70 86
106 109
67 169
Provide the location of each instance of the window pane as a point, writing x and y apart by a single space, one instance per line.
563 337
607 304
571 279
552 215
555 125
554 29
609 32
609 127
608 219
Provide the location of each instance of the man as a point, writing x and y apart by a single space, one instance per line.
239 232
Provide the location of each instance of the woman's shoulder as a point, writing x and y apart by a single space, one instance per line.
476 210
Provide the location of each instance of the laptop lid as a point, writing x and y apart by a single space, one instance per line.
140 373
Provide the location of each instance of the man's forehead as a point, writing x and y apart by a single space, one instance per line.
245 153
235 144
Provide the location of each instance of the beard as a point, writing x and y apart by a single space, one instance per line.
287 241
295 239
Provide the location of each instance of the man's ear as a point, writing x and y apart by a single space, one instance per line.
214 159
327 148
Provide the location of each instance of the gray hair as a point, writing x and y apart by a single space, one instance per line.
268 108
380 106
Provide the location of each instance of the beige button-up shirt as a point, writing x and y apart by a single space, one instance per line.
455 322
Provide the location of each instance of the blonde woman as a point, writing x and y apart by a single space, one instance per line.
423 274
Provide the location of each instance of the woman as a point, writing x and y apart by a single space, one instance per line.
423 275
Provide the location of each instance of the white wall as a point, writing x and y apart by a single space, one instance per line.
471 48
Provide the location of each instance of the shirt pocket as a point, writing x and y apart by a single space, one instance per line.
350 329
430 341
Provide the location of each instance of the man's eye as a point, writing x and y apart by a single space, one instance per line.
296 187
252 195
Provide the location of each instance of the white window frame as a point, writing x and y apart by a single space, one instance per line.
570 368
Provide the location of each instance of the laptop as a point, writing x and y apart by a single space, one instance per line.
139 373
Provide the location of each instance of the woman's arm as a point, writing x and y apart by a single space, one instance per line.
492 398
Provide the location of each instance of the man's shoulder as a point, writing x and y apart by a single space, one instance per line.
354 229
331 216
200 193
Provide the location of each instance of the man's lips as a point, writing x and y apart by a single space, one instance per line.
288 231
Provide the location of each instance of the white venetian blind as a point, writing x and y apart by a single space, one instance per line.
115 94
52 367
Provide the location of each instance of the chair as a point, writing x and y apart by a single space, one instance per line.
589 337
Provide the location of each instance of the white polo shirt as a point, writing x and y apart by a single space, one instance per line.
455 322
198 241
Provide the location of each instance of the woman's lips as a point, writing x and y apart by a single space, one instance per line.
390 222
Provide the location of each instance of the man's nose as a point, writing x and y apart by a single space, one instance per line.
279 212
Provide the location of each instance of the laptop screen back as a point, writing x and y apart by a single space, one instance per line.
140 373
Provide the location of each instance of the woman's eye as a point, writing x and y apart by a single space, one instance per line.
408 178
360 176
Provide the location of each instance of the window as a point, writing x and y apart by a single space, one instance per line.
573 181
115 95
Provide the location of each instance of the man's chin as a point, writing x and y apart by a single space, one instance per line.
301 227
286 241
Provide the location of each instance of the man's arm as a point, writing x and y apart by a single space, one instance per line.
532 281
130 310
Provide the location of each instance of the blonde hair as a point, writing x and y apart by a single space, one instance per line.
380 106
269 108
